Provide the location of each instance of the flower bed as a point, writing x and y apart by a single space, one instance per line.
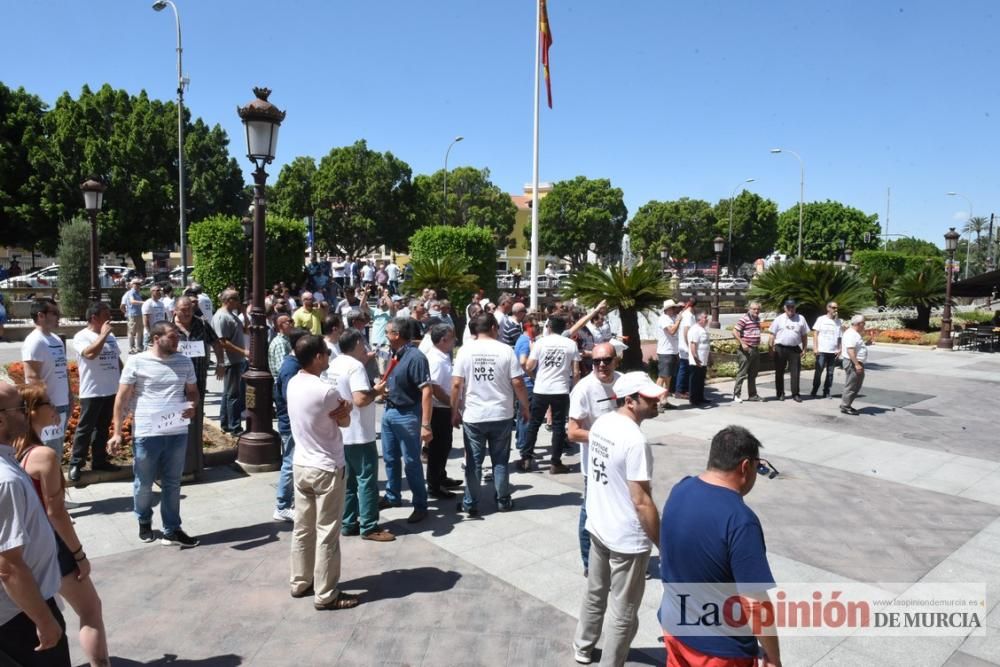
906 337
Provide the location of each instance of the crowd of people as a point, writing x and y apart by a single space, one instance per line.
333 358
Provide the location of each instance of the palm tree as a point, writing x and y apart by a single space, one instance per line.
812 285
448 276
977 226
629 290
921 288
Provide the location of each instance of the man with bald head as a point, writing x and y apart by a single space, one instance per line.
32 630
308 316
511 327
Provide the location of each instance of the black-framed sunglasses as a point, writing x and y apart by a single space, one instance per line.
23 407
765 467
603 360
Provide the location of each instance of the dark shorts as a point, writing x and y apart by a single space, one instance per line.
67 564
667 367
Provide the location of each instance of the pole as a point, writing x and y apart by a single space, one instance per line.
444 208
944 340
802 196
258 448
732 197
888 200
95 285
534 173
714 323
180 147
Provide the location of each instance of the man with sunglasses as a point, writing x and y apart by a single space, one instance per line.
44 357
791 332
708 535
592 397
826 345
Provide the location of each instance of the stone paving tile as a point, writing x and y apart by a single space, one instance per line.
960 659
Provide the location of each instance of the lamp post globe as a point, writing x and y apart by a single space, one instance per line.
950 245
93 200
718 244
258 449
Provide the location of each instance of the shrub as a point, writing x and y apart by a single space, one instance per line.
813 285
726 369
74 267
473 245
448 276
220 255
975 317
921 288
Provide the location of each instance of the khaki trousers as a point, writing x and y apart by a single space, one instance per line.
319 511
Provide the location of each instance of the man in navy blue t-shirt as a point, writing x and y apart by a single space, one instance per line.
712 547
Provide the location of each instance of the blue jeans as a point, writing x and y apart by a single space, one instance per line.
285 498
233 397
584 533
401 440
493 437
521 424
683 377
163 456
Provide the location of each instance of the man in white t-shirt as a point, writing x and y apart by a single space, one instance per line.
827 330
317 412
152 312
347 373
622 520
442 341
168 302
683 382
486 380
160 388
853 357
790 333
44 357
667 355
699 349
555 361
99 359
592 397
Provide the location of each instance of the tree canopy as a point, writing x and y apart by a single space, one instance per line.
684 228
755 226
472 247
472 200
579 212
908 245
824 226
292 194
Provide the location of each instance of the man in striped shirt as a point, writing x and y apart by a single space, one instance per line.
160 388
747 333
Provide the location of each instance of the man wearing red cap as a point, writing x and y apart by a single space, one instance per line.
622 520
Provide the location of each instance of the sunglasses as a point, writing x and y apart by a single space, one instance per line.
23 407
765 467
603 360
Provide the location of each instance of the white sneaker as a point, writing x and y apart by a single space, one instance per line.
284 515
581 656
737 399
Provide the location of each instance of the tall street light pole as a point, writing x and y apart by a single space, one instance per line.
717 243
968 238
182 81
93 201
950 245
732 197
802 188
258 448
444 208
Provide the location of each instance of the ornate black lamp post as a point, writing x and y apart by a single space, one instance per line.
93 200
259 448
247 224
718 243
848 254
950 245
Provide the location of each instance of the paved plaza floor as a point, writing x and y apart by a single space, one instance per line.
909 491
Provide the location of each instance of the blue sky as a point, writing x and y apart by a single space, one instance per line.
667 99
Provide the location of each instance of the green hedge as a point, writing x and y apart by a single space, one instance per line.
73 257
220 255
474 245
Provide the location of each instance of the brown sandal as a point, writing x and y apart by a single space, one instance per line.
342 601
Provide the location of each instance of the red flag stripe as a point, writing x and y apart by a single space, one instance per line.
546 38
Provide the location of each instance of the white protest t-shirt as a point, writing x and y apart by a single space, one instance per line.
168 306
440 365
828 330
555 355
687 321
702 343
98 377
852 339
155 310
348 375
159 392
587 402
665 343
488 368
318 441
48 349
618 454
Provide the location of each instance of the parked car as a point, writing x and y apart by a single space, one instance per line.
42 279
734 283
695 283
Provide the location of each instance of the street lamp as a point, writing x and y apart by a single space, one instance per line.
444 209
93 201
719 242
182 81
802 188
664 260
950 245
732 197
968 241
247 224
848 254
258 448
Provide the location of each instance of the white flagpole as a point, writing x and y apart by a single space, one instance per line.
534 177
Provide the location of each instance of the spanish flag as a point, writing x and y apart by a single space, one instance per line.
546 38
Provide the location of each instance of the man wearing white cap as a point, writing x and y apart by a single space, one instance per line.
854 355
666 345
622 520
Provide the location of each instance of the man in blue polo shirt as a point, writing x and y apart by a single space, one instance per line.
711 547
406 421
